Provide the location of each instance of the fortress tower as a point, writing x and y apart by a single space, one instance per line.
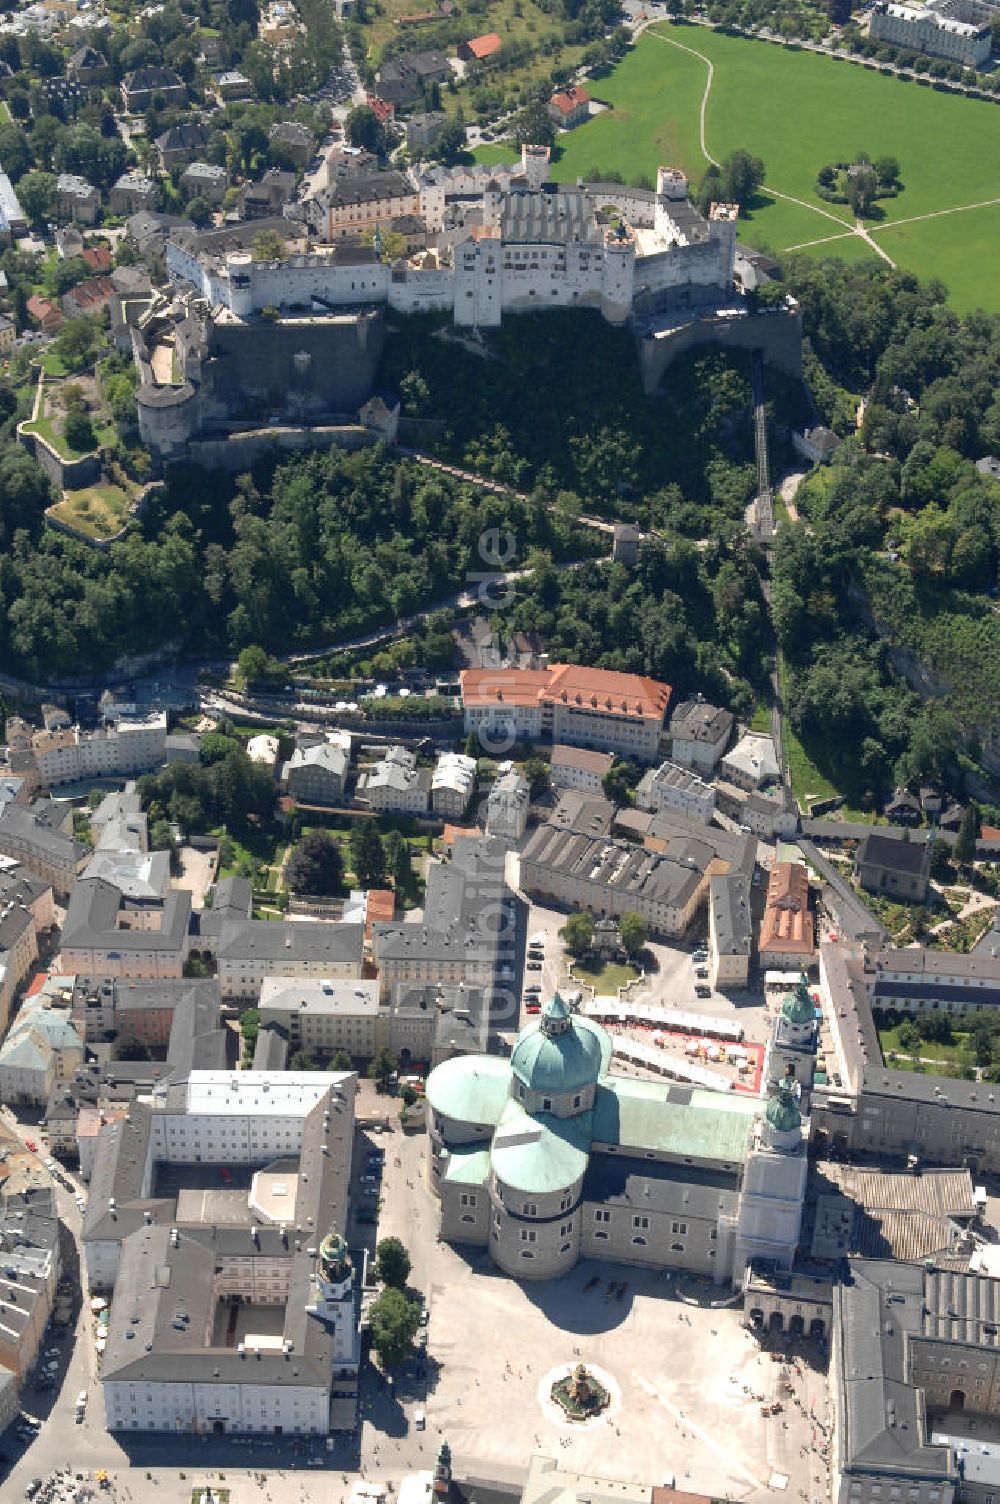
618 274
722 222
671 183
535 165
240 267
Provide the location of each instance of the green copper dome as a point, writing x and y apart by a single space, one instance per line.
783 1111
798 1005
560 1053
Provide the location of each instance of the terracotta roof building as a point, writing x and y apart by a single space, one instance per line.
787 936
568 107
478 49
45 314
569 703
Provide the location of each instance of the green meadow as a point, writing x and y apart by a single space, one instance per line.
797 111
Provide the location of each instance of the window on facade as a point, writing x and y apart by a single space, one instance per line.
546 1104
639 1242
467 1198
602 1235
600 1216
642 1222
529 1235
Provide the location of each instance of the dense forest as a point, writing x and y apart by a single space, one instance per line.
899 541
897 544
322 546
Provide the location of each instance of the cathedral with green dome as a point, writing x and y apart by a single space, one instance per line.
550 1156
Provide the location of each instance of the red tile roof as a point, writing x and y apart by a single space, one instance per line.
568 100
42 311
97 257
485 46
92 293
788 923
382 108
567 684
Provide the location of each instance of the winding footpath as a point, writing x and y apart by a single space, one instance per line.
789 198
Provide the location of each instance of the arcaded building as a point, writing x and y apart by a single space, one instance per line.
549 1157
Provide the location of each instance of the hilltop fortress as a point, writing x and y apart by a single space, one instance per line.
239 342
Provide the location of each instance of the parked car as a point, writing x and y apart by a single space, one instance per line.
701 972
420 1420
702 991
533 966
31 1146
532 1008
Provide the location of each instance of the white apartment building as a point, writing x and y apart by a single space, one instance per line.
922 28
672 787
581 707
43 1047
247 1324
452 784
579 768
253 949
752 763
730 930
107 934
134 745
323 1016
507 805
699 735
396 785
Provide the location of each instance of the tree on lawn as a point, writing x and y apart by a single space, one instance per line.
964 850
394 1324
37 193
340 1060
862 186
532 127
381 1068
577 933
363 128
301 1060
78 430
398 860
315 866
620 781
536 773
634 933
392 1263
249 1029
367 853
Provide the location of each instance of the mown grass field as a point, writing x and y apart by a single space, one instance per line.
798 111
96 511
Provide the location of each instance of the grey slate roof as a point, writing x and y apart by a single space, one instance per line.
697 721
257 939
548 219
729 898
897 856
615 1180
92 917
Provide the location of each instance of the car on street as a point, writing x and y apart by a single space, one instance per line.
31 1146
